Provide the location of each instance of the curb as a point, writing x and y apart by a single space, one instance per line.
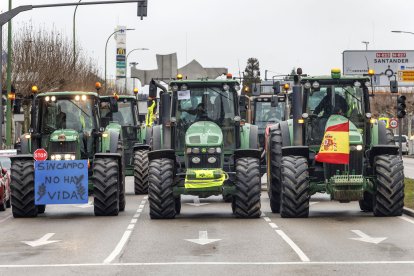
408 212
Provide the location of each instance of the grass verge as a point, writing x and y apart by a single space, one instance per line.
409 193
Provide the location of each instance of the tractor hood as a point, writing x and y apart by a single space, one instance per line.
204 133
355 138
68 135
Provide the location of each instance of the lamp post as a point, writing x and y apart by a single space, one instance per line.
366 44
402 32
74 35
8 83
106 47
126 62
133 64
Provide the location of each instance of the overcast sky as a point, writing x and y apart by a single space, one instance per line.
282 34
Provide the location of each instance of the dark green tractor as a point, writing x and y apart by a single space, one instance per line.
372 173
121 113
201 147
67 126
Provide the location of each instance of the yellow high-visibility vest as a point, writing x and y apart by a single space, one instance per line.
150 117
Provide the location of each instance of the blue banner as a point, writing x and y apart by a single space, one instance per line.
61 182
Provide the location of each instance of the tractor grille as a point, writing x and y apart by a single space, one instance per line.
65 147
355 164
212 139
204 164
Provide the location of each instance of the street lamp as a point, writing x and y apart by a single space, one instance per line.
126 62
402 32
133 64
74 35
366 44
106 47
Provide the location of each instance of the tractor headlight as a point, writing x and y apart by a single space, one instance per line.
307 85
315 85
196 150
83 97
188 151
357 84
367 83
53 157
226 87
196 160
218 150
77 98
184 87
56 157
53 98
174 88
47 98
359 147
212 160
237 87
211 150
70 156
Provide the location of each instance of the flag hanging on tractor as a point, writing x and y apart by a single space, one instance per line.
335 145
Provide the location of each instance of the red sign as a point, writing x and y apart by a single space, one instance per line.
393 123
40 155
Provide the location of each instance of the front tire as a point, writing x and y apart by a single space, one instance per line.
389 195
295 187
246 200
22 189
160 191
273 175
141 172
106 187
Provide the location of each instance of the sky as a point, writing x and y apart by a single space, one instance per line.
282 34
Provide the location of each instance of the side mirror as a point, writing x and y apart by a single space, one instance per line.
152 90
113 104
274 101
276 87
255 90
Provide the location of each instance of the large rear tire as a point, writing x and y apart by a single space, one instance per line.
295 187
273 176
246 200
160 192
106 186
389 195
122 200
141 172
22 189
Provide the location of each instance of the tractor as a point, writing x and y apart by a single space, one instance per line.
67 126
267 105
202 147
333 145
120 112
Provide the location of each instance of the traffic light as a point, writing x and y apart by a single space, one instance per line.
142 8
394 86
401 112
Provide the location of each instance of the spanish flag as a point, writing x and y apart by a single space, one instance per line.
335 145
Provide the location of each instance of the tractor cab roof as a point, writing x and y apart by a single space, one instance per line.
68 93
120 97
343 79
206 82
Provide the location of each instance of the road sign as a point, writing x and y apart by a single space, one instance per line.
393 123
406 75
61 182
385 120
40 155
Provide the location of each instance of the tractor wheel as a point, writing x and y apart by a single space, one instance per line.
41 209
160 191
246 200
22 190
389 195
389 137
106 187
366 204
295 187
141 172
122 201
273 177
177 205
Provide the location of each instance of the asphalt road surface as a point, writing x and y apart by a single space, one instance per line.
409 167
337 239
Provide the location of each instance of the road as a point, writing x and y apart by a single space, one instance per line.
337 239
409 167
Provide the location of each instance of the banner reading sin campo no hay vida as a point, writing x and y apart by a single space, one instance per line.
61 182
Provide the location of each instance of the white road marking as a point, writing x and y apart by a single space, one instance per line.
273 225
146 197
141 206
267 219
403 218
196 202
295 248
42 241
313 202
6 218
125 236
202 238
214 263
365 238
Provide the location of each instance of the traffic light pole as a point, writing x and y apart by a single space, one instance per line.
9 124
8 15
400 137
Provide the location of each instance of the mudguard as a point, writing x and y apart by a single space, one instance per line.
25 144
138 146
156 138
296 151
110 143
22 157
240 153
253 137
245 136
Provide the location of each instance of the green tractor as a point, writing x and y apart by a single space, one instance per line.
201 147
372 173
67 126
120 112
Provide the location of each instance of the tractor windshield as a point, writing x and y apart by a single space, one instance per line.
66 113
205 104
124 116
264 113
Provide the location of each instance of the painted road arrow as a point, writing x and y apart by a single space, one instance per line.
365 238
42 241
197 203
202 239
